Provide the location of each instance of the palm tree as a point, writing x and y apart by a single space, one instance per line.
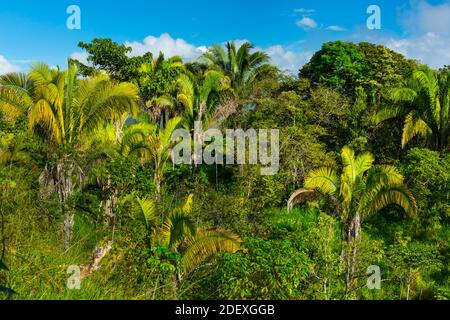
112 140
241 65
360 191
179 234
156 83
63 108
209 100
153 144
427 94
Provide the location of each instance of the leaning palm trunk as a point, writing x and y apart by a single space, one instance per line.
97 256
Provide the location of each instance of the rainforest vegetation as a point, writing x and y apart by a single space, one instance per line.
89 191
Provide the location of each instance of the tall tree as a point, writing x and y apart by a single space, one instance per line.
205 99
157 79
154 145
360 191
62 108
112 58
242 65
385 70
338 65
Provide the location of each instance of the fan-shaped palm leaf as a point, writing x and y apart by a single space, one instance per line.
323 179
206 243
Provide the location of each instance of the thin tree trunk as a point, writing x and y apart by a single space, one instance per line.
409 284
97 256
176 284
353 238
64 186
109 205
401 288
109 209
158 183
69 222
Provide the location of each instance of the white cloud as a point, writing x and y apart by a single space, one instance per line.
81 56
287 60
168 45
336 28
424 17
6 66
303 10
307 23
430 48
428 27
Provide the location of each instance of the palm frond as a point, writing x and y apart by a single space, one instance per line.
165 135
414 126
363 163
16 92
322 179
107 100
300 196
403 95
43 112
383 175
391 195
147 208
143 208
133 138
187 207
386 114
206 243
176 228
348 161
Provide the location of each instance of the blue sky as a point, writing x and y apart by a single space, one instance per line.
288 30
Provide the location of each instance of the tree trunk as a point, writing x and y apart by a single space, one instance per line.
59 179
176 280
97 256
353 238
409 285
109 204
67 231
118 125
158 183
64 187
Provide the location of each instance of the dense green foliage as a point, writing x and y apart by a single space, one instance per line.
87 179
